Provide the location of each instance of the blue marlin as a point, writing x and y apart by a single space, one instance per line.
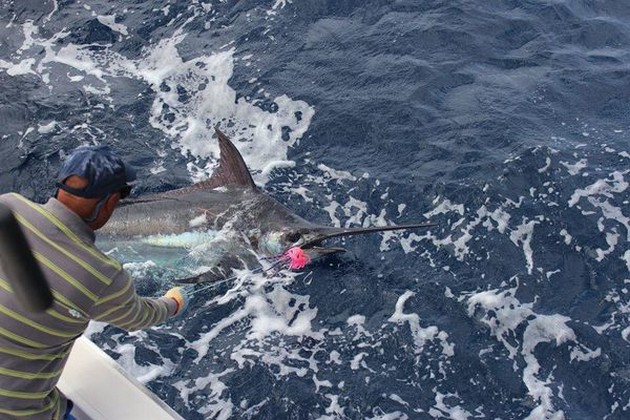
225 222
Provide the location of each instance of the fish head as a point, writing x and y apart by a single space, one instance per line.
311 238
276 242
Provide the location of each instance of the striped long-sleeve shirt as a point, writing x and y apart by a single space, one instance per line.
86 284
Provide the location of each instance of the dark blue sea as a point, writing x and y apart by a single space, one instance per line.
506 122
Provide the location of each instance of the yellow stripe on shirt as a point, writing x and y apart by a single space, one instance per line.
24 320
30 356
25 413
114 309
21 339
61 299
23 395
5 285
100 276
119 293
146 312
65 275
29 375
125 316
54 220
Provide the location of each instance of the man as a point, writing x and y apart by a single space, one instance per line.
86 284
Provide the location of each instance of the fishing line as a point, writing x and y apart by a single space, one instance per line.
294 259
228 279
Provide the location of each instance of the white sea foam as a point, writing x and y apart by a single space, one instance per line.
597 195
146 372
546 167
334 174
110 22
574 169
398 399
16 69
358 362
140 269
395 415
213 388
268 310
279 4
267 313
566 236
442 410
523 234
334 409
158 168
47 128
189 122
199 220
420 334
445 206
582 353
463 229
504 314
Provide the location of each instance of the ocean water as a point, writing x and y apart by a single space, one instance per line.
506 122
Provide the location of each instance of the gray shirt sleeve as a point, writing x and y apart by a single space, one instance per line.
121 306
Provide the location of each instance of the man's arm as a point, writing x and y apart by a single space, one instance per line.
121 306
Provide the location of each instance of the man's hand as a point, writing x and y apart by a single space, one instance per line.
181 295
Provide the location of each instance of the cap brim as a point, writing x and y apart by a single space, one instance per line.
130 174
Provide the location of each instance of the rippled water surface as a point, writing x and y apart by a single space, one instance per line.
505 122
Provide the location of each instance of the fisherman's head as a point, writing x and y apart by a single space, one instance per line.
92 180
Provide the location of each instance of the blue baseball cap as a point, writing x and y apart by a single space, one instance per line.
105 171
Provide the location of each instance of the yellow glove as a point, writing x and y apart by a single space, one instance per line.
180 295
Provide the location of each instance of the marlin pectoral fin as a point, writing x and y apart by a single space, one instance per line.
213 275
222 270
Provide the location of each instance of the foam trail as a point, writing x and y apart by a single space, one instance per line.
504 315
188 120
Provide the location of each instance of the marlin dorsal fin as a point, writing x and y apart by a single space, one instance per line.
232 170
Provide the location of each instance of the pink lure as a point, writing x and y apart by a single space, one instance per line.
296 258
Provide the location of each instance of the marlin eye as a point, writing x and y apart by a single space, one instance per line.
292 237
